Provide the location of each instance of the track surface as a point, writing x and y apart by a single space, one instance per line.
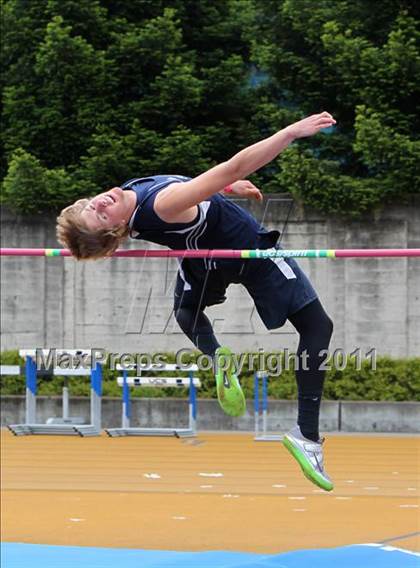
215 492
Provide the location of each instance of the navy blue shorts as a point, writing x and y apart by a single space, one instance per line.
278 286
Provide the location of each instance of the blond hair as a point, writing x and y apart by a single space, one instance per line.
83 243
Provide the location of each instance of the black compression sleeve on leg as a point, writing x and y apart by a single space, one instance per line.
197 327
315 330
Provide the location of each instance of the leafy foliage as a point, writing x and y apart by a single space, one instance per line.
392 379
97 92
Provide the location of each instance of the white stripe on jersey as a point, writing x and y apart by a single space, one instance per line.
203 208
187 285
285 269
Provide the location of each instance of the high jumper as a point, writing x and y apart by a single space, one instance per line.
193 213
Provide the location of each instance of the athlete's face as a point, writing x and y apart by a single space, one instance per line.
109 210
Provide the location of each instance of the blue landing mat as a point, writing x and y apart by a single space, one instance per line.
16 555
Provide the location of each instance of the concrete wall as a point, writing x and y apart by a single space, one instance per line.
402 417
124 305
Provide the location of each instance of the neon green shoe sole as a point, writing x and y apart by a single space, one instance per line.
229 392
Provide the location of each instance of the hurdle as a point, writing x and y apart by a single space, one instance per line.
10 370
125 381
64 425
261 410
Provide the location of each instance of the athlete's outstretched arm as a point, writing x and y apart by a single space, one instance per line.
179 197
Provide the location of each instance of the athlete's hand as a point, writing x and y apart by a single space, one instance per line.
311 125
245 188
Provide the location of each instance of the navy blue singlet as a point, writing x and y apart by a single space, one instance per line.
220 223
278 286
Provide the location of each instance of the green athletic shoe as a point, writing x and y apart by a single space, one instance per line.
309 456
229 392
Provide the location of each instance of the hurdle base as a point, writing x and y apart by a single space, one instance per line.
73 421
54 429
268 438
177 432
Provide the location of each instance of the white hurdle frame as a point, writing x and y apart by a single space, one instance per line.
65 425
10 370
261 412
125 381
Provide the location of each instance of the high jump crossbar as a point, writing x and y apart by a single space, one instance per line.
227 253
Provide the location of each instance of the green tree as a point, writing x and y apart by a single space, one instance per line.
97 92
334 56
32 187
